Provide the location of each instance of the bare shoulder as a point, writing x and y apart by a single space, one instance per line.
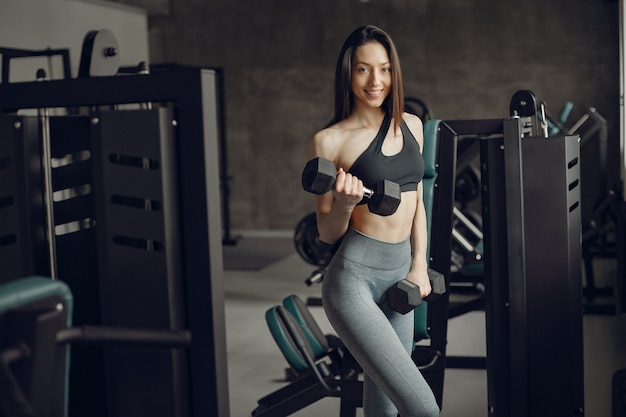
413 122
325 143
415 125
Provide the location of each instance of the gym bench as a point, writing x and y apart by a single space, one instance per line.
322 365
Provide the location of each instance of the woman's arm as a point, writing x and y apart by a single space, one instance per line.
334 208
419 231
419 241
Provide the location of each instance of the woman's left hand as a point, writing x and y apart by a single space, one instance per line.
419 277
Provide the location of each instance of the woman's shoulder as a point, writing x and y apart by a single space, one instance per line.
341 142
413 122
325 142
331 136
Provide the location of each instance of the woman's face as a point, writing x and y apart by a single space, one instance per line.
371 75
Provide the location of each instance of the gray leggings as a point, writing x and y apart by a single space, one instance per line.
380 339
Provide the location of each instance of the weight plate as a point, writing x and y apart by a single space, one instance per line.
100 54
523 104
308 244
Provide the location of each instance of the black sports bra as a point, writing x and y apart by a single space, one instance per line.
405 168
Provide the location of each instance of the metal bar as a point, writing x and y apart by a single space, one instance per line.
202 230
120 336
137 88
514 192
225 177
578 124
440 249
460 239
44 123
496 282
467 222
479 128
10 53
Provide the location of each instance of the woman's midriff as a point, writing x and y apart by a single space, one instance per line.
394 228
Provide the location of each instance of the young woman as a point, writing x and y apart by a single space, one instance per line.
371 139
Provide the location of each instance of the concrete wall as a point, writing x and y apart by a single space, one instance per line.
464 58
62 24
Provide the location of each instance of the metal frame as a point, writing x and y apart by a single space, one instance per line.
440 249
476 130
524 308
11 53
192 94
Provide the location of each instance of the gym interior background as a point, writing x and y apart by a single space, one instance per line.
464 59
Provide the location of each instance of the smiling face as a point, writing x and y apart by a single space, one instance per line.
371 75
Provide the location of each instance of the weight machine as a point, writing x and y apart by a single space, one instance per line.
531 263
125 210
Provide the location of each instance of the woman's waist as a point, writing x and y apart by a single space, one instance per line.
372 252
394 228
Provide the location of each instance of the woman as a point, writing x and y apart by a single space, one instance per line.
371 139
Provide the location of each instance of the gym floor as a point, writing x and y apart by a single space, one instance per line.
257 368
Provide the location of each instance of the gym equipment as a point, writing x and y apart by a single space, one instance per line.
419 108
532 268
99 55
307 242
467 186
404 295
600 210
321 370
467 249
599 201
319 177
556 125
322 366
124 209
36 317
11 53
228 238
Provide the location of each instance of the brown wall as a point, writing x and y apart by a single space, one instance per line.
464 58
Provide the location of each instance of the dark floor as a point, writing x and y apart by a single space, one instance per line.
256 366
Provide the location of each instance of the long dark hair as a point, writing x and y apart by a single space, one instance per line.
344 98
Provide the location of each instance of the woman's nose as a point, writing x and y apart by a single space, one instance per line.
375 78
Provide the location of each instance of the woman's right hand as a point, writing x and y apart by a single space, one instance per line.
348 189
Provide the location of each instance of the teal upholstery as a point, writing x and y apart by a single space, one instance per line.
429 152
41 293
563 116
284 340
19 293
307 323
332 372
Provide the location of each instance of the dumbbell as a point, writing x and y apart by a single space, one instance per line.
319 177
404 295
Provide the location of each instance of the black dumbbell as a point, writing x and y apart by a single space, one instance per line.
404 295
319 177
